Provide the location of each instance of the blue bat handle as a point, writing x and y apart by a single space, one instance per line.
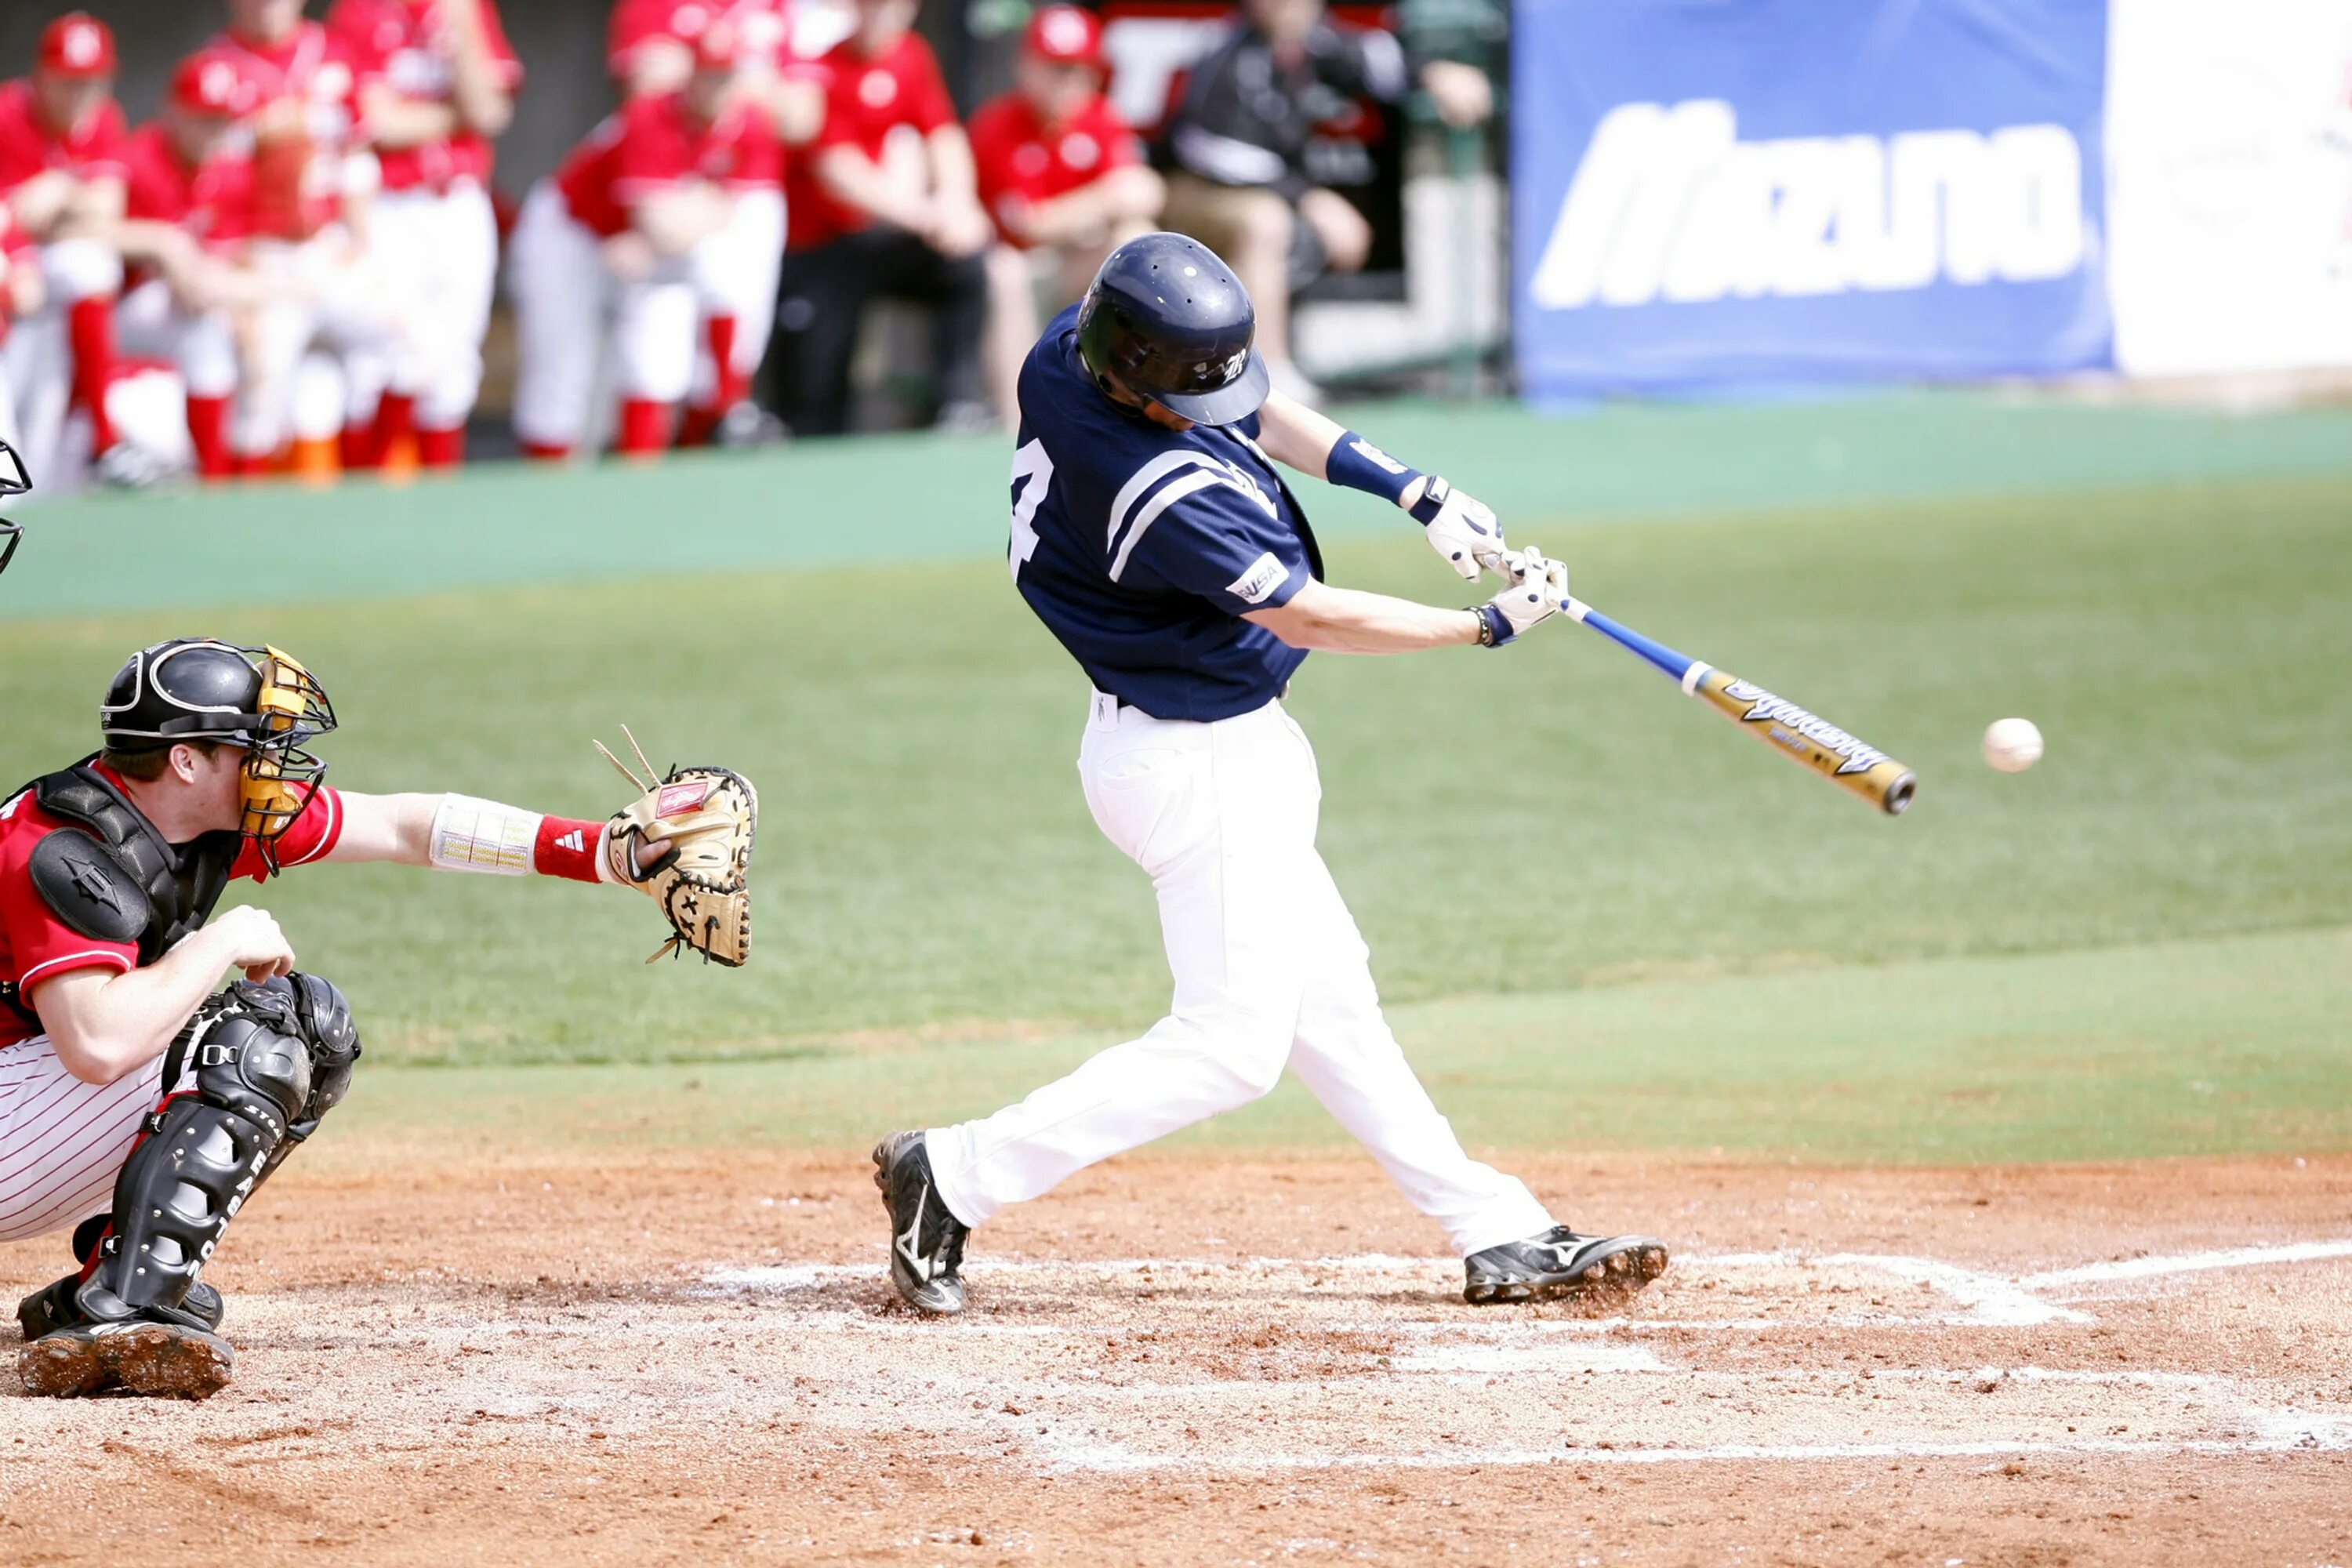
1675 665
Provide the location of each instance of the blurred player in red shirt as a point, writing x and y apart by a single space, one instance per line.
21 294
439 80
886 205
603 257
314 181
1064 180
650 52
61 174
187 219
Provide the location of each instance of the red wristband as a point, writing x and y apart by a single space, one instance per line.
566 846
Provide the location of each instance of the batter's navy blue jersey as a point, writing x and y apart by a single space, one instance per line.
1141 548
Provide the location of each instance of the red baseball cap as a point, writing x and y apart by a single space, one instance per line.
77 45
1066 35
209 83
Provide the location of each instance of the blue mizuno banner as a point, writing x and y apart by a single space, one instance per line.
1715 192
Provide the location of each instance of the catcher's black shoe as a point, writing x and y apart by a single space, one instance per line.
1561 1263
139 1355
926 1240
53 1307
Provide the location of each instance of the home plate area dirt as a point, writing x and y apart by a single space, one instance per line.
1186 1359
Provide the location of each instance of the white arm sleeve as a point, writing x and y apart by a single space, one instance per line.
470 835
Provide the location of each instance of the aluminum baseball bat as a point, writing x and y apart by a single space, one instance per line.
1851 764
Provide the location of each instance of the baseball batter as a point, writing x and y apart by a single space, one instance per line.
139 1107
1154 536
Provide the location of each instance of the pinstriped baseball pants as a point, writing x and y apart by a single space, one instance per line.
63 1141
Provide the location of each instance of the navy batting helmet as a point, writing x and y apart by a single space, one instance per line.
1166 321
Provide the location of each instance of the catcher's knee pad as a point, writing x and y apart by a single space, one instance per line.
322 1016
202 1156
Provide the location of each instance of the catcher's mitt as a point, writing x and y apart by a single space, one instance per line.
709 815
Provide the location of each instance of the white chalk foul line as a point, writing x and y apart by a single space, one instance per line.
2188 1263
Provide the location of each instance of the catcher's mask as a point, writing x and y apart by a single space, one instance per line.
260 698
14 482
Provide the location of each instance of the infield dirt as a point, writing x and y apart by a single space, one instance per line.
1189 1359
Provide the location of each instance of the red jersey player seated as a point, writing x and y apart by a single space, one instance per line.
604 255
440 84
315 180
139 1107
650 52
61 174
21 293
189 214
883 205
1062 178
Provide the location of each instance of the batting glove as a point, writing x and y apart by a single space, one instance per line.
1539 591
1461 528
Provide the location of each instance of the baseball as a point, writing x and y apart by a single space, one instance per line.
2011 745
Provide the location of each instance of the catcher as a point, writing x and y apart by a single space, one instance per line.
139 1107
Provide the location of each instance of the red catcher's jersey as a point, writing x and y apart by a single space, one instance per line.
866 101
297 158
213 201
654 145
93 151
1019 158
37 946
404 45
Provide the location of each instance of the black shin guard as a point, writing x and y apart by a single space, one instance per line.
202 1157
323 1018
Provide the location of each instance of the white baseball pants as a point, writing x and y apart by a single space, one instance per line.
568 308
735 273
1270 971
333 302
38 362
63 1141
149 322
440 249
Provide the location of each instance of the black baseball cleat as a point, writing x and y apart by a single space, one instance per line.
53 1307
136 1355
1560 1263
926 1240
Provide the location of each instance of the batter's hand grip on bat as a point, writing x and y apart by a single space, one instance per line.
1849 763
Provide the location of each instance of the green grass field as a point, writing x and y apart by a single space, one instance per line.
2144 946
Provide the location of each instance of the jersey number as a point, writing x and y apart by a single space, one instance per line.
1032 472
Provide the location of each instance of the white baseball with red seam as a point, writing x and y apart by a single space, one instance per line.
2011 745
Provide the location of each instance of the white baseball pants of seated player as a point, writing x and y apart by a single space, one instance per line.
149 322
440 249
63 1141
1270 971
735 274
333 299
572 316
37 362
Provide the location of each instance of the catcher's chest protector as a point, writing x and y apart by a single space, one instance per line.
181 886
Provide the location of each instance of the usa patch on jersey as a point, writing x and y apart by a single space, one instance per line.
1265 575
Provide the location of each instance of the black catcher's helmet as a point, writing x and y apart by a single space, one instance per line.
260 698
1167 322
14 482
